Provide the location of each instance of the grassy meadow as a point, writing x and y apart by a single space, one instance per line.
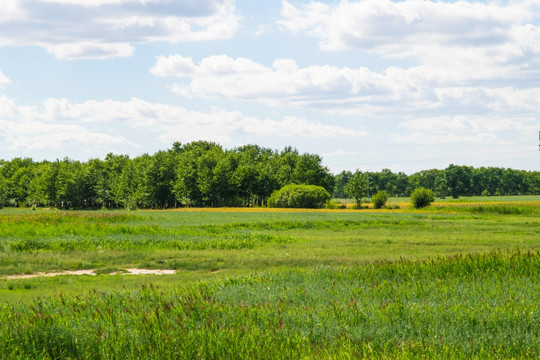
460 279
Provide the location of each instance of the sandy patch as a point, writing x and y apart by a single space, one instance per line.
147 271
40 274
93 273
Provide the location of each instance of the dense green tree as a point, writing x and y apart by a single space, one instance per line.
358 187
17 174
104 177
195 164
3 192
72 187
387 181
532 182
340 181
432 179
202 173
42 187
159 176
459 180
309 170
285 165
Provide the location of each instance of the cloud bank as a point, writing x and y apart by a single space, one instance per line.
475 62
58 123
100 29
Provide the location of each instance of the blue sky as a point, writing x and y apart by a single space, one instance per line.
372 84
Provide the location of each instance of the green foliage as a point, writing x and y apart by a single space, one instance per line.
379 199
3 192
299 196
341 181
205 174
459 180
332 205
357 188
422 197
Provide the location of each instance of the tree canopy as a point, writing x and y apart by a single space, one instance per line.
200 173
203 173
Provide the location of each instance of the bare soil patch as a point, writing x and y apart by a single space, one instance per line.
92 272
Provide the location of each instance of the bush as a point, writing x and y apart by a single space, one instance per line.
379 199
299 196
332 204
422 197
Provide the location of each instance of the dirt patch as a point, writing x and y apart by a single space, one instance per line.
40 274
147 271
93 273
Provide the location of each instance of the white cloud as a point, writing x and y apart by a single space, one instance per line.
10 9
390 27
97 29
471 129
4 80
175 65
32 135
360 91
90 50
57 123
470 56
91 3
283 82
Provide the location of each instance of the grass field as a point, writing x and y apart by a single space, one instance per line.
460 279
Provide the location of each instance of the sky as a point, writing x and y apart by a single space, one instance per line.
404 85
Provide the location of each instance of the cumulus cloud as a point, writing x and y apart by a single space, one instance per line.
57 123
97 29
390 27
352 91
454 42
468 56
283 82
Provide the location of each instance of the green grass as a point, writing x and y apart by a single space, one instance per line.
480 306
244 241
454 280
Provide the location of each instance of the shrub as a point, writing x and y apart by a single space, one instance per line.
422 197
299 196
379 199
332 204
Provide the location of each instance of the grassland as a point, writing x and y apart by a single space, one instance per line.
456 280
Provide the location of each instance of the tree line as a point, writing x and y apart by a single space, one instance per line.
197 174
203 174
455 181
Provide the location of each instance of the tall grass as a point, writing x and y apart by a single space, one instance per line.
499 209
469 306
